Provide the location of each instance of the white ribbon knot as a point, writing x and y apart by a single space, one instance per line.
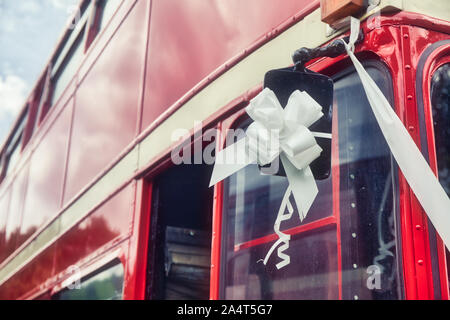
279 132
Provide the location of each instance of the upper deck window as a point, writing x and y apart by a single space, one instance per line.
360 232
14 147
65 73
71 53
101 13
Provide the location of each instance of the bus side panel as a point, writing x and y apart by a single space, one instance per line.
30 277
109 222
190 39
99 231
45 184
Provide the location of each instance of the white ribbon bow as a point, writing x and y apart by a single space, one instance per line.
415 168
278 132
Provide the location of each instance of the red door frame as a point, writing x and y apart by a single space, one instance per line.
436 59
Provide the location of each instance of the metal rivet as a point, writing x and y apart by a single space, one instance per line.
355 266
351 148
409 97
353 205
352 176
411 128
420 262
418 227
407 67
405 36
354 235
355 297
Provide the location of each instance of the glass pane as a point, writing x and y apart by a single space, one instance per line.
69 67
14 156
440 99
106 285
108 10
14 148
367 208
76 28
312 273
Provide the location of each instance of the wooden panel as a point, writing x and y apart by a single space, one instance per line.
333 10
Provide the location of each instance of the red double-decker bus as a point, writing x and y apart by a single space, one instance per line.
93 207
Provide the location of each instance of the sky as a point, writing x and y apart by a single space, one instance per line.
29 30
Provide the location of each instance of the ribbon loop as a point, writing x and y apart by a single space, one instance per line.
301 109
266 109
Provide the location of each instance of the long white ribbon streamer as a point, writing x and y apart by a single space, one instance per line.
283 239
414 167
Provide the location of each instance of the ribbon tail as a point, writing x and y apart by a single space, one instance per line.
303 185
415 168
230 160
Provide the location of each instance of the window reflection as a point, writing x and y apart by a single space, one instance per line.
440 98
105 285
109 7
367 202
367 206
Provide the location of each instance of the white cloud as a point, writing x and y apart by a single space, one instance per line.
30 6
63 4
13 92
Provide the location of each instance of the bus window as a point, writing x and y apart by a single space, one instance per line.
106 284
440 97
367 218
1 167
368 192
180 236
33 109
101 13
70 55
14 147
4 207
108 8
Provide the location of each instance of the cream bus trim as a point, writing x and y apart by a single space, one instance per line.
248 73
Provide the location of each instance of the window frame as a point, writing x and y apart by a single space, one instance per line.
60 60
329 222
